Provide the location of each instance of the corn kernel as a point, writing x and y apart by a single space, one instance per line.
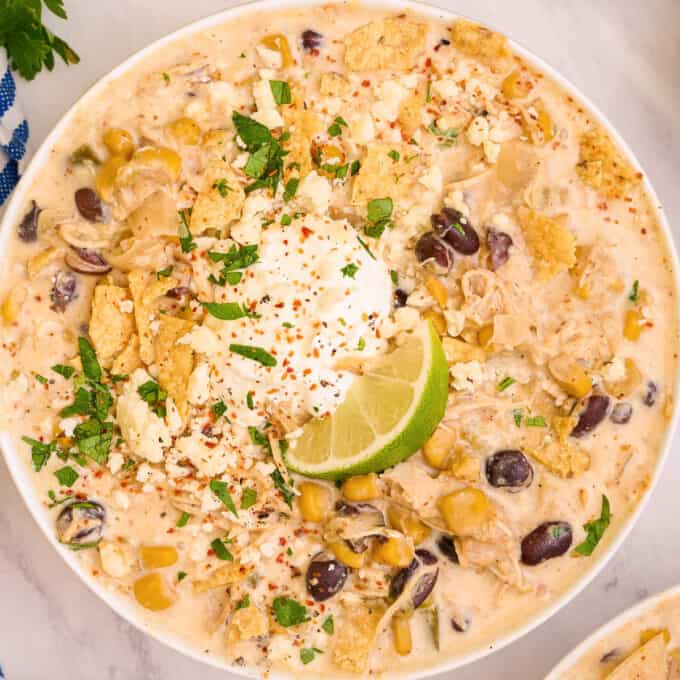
152 593
437 319
633 324
314 501
465 511
648 633
484 336
119 142
394 552
437 290
361 488
158 155
106 176
279 43
465 467
11 305
185 131
570 376
157 556
437 449
511 86
408 523
346 555
330 157
622 388
401 634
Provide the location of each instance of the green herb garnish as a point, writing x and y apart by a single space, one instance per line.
280 484
634 294
328 626
40 453
183 520
255 353
350 270
535 421
307 654
379 212
394 155
63 370
364 245
219 408
228 311
154 395
280 91
235 259
164 273
243 603
288 612
505 383
448 137
248 498
221 550
222 187
186 240
595 530
394 275
221 490
181 575
335 129
67 476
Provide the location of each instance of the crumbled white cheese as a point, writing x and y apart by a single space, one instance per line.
478 131
121 499
126 306
198 389
115 463
389 96
466 375
315 193
446 89
266 113
362 129
68 425
249 227
432 179
615 370
208 457
491 150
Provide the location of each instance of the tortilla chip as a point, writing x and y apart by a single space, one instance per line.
246 624
146 288
457 351
648 662
333 84
226 575
220 202
392 44
128 360
175 362
410 116
110 328
552 246
603 167
478 41
562 459
303 126
380 176
355 635
157 216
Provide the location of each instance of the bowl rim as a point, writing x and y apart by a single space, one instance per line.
21 475
611 626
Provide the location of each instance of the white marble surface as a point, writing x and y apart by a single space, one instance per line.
624 54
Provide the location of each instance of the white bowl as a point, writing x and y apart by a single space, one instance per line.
627 616
22 475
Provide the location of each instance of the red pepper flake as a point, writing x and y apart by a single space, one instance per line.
272 586
282 540
280 558
365 83
306 232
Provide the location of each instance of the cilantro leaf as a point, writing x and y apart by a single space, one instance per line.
232 261
280 91
219 408
379 212
63 370
307 654
328 626
634 294
228 311
154 395
221 490
221 551
288 612
350 270
40 452
248 498
255 353
88 357
447 137
595 530
243 603
505 383
93 439
249 130
186 239
66 475
291 189
535 421
284 489
183 520
222 187
335 129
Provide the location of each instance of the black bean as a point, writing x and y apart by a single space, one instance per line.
431 247
426 557
452 226
592 415
325 577
547 540
448 548
650 393
401 578
87 261
311 40
509 469
81 523
425 584
499 246
28 227
88 204
64 290
621 413
460 626
400 297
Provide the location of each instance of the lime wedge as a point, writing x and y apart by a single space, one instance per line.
388 414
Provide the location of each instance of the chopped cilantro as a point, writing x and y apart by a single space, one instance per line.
288 612
154 395
88 358
394 155
307 654
335 129
284 489
248 498
361 345
249 400
243 603
286 220
535 421
228 311
634 294
56 501
257 437
219 408
354 167
183 520
221 550
66 475
235 259
166 77
505 383
448 137
290 189
40 453
255 353
63 370
181 575
221 490
350 270
394 275
517 417
93 438
280 91
328 626
595 530
222 187
163 273
186 240
428 91
364 245
379 212
287 324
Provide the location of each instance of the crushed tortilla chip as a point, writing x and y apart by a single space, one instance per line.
175 362
128 360
156 216
355 635
603 167
457 351
146 288
647 662
333 84
226 575
110 327
392 44
552 246
478 41
562 459
380 176
303 126
221 200
246 624
410 116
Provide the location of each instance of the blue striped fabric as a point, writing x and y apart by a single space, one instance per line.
13 133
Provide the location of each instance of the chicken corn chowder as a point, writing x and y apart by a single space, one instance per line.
339 340
646 648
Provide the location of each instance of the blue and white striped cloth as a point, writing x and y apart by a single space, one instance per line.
13 132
